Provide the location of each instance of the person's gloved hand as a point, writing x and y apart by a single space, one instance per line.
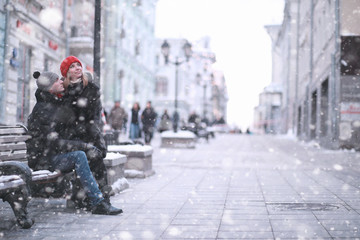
92 151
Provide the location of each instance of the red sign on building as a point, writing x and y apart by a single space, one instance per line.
53 45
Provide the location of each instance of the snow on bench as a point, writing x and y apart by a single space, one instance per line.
180 139
115 166
10 181
139 159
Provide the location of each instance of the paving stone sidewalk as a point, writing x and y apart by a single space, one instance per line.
234 187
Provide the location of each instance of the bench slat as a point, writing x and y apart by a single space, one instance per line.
13 156
45 176
8 178
15 130
14 138
12 184
10 146
24 160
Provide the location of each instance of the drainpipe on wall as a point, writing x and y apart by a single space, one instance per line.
295 119
311 42
2 81
309 96
335 86
65 3
287 123
97 39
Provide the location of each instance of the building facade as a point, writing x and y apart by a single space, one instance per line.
39 34
200 88
320 73
79 35
32 43
219 97
267 115
129 52
3 21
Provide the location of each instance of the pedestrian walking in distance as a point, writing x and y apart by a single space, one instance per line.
148 118
135 121
165 122
117 118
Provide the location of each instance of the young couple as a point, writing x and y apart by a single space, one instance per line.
65 133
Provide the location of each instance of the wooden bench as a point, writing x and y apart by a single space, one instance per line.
15 180
15 175
13 160
18 183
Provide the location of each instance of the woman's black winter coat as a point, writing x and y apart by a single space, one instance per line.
86 108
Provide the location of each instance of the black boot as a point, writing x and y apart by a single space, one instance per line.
104 208
107 192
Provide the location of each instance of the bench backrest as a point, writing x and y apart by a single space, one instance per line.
12 143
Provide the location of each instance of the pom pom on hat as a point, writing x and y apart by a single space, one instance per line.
45 80
65 64
36 74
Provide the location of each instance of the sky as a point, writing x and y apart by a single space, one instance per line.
238 38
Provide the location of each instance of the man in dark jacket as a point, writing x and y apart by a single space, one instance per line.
47 149
148 118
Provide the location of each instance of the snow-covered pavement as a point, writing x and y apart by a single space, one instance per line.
234 187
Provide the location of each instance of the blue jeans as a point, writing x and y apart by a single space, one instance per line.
134 131
77 160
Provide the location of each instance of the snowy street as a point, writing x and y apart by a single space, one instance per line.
233 187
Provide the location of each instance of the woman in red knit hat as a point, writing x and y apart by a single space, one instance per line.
82 95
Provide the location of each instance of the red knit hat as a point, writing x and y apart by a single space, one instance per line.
65 64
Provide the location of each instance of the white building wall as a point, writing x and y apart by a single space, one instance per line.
26 30
323 35
130 75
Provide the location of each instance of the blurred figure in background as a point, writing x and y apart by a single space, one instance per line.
117 118
165 122
194 118
134 121
148 119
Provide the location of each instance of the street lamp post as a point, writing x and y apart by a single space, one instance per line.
203 81
97 38
165 49
205 105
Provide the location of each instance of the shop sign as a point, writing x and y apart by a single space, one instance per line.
53 45
350 111
23 26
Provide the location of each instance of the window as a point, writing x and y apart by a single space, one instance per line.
161 86
137 47
74 31
157 60
350 55
48 64
23 93
324 108
136 87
